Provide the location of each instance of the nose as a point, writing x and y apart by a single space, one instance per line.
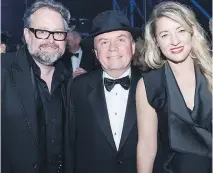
112 46
175 40
50 38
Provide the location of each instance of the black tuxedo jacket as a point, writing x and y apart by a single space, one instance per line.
19 137
95 150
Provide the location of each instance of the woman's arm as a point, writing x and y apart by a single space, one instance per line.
147 131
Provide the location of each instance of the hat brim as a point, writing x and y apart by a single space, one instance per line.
135 31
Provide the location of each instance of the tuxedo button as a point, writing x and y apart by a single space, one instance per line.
119 162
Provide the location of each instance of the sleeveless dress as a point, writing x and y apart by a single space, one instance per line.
184 135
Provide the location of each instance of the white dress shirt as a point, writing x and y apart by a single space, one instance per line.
76 60
116 101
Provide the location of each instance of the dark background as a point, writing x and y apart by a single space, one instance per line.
83 11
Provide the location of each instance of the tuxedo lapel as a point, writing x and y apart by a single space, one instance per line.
130 116
82 63
98 104
22 82
86 61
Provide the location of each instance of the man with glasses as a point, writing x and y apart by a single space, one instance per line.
36 134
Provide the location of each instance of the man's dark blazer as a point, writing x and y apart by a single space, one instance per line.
19 137
95 150
88 59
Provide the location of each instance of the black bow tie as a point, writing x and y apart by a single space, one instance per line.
110 83
75 54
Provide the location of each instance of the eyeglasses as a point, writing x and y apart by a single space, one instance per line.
44 34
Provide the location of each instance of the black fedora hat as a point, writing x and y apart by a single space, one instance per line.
112 20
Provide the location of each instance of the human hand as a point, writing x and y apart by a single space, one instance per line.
78 72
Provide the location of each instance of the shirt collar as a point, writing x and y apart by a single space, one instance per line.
126 73
60 69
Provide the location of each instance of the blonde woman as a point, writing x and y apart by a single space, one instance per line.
174 100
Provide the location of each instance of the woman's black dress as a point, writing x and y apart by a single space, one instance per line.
184 135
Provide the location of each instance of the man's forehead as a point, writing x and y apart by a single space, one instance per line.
45 17
114 34
43 11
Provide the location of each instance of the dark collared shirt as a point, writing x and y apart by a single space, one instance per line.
50 112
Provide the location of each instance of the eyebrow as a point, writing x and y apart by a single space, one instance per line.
163 32
100 39
179 27
168 31
56 29
122 35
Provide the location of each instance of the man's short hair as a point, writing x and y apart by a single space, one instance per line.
75 33
50 4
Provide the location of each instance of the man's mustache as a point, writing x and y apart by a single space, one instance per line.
54 46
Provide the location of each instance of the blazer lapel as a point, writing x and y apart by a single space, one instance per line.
130 116
176 101
23 83
98 103
196 138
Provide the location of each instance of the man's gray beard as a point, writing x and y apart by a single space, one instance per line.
43 57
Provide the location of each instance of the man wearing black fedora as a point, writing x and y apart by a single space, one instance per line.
104 100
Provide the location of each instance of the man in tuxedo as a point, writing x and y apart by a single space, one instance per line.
104 100
35 125
80 58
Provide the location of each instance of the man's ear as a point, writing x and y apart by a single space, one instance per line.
95 52
95 49
26 35
133 47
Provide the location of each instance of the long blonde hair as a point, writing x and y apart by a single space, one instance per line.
200 49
